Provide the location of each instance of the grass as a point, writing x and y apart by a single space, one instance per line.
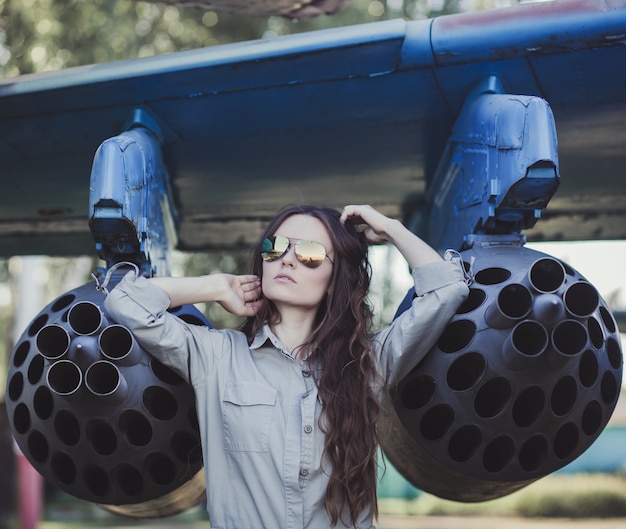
555 496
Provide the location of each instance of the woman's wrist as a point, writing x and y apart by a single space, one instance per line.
413 249
394 231
215 287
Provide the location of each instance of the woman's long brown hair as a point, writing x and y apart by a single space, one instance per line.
342 339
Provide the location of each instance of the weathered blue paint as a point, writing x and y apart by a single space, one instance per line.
497 173
131 216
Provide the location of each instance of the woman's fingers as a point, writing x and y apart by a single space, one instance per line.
352 213
368 220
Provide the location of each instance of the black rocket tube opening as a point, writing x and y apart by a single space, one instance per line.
64 377
85 318
118 345
546 275
53 341
581 299
513 304
104 379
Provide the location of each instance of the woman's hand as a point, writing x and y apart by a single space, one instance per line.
241 294
378 228
375 225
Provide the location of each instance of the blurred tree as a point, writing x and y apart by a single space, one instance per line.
294 9
43 35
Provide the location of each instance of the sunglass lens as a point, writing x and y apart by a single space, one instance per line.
310 253
273 248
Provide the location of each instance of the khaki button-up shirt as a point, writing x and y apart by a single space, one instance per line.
258 407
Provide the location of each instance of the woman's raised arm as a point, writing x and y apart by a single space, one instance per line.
379 229
238 294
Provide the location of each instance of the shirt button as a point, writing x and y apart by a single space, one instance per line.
304 472
308 428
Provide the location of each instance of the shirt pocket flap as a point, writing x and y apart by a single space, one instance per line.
250 394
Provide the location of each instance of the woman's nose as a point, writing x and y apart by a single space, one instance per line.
289 257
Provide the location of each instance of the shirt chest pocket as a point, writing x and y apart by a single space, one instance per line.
247 410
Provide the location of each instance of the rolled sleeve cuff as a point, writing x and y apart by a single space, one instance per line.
152 299
433 276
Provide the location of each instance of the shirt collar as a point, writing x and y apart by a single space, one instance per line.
265 334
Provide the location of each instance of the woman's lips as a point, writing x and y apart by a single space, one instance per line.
284 278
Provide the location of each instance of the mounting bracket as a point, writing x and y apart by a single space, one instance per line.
131 214
498 171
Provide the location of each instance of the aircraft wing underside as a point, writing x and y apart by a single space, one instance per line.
359 114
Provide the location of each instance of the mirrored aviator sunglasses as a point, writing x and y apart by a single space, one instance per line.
309 253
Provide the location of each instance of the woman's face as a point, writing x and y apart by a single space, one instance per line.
289 283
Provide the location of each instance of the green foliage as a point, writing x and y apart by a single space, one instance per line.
42 35
556 496
581 496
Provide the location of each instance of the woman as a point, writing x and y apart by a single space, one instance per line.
287 407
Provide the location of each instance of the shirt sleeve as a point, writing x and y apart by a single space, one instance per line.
440 288
141 306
